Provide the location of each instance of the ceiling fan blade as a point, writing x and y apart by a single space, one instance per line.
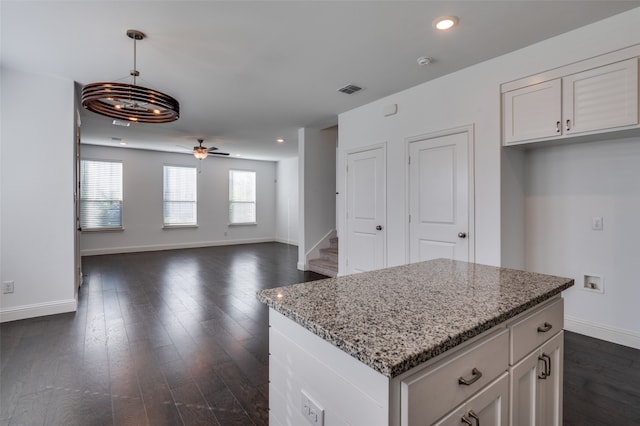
213 148
218 153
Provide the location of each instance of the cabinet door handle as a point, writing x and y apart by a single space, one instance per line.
475 375
466 421
544 327
475 417
558 126
546 359
568 124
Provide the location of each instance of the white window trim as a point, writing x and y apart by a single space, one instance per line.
112 228
255 202
168 226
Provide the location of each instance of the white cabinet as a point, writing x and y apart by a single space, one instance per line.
535 386
596 100
532 112
431 393
487 408
601 98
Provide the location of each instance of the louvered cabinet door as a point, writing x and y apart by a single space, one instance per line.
601 98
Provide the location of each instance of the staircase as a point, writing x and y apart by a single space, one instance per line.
327 264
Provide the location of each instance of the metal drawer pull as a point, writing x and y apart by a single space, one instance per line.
557 127
475 375
547 366
475 417
544 327
568 124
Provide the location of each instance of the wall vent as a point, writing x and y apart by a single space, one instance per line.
350 89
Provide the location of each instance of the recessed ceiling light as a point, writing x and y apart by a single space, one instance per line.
445 22
123 143
238 155
280 140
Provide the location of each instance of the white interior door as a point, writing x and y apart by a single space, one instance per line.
366 210
439 188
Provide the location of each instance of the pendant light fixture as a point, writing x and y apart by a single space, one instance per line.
128 101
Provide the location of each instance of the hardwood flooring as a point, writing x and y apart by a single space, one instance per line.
160 338
601 382
178 338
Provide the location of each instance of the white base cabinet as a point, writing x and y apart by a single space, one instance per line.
535 386
492 380
487 407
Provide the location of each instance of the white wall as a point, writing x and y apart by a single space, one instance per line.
565 187
287 201
317 189
472 96
37 184
142 205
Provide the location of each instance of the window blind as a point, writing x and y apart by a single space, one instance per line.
242 196
100 194
180 195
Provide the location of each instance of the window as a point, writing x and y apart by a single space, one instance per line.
242 197
180 196
100 194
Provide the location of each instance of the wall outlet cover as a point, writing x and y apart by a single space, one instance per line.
311 410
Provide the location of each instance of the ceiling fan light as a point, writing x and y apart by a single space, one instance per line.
200 152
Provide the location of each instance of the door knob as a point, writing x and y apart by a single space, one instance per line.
379 228
462 234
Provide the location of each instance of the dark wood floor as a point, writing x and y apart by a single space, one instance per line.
177 337
163 338
601 382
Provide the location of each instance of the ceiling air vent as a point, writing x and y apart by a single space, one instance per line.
350 89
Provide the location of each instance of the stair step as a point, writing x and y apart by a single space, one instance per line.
333 242
330 254
324 267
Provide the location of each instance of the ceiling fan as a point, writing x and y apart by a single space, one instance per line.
201 152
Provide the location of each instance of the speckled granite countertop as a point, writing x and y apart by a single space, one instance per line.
397 318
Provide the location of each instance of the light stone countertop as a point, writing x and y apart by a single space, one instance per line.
396 318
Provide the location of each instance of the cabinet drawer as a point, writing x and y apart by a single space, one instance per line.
535 329
429 394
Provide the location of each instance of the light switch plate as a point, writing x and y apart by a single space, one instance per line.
597 223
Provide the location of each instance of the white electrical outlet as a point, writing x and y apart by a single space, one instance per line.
311 410
7 287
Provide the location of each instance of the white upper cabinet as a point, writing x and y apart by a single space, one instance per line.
601 98
596 100
532 112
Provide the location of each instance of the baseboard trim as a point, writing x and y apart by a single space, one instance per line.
610 334
160 247
38 310
302 266
285 241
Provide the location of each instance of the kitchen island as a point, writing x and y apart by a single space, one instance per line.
436 342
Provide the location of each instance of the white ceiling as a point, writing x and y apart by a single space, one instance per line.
248 72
